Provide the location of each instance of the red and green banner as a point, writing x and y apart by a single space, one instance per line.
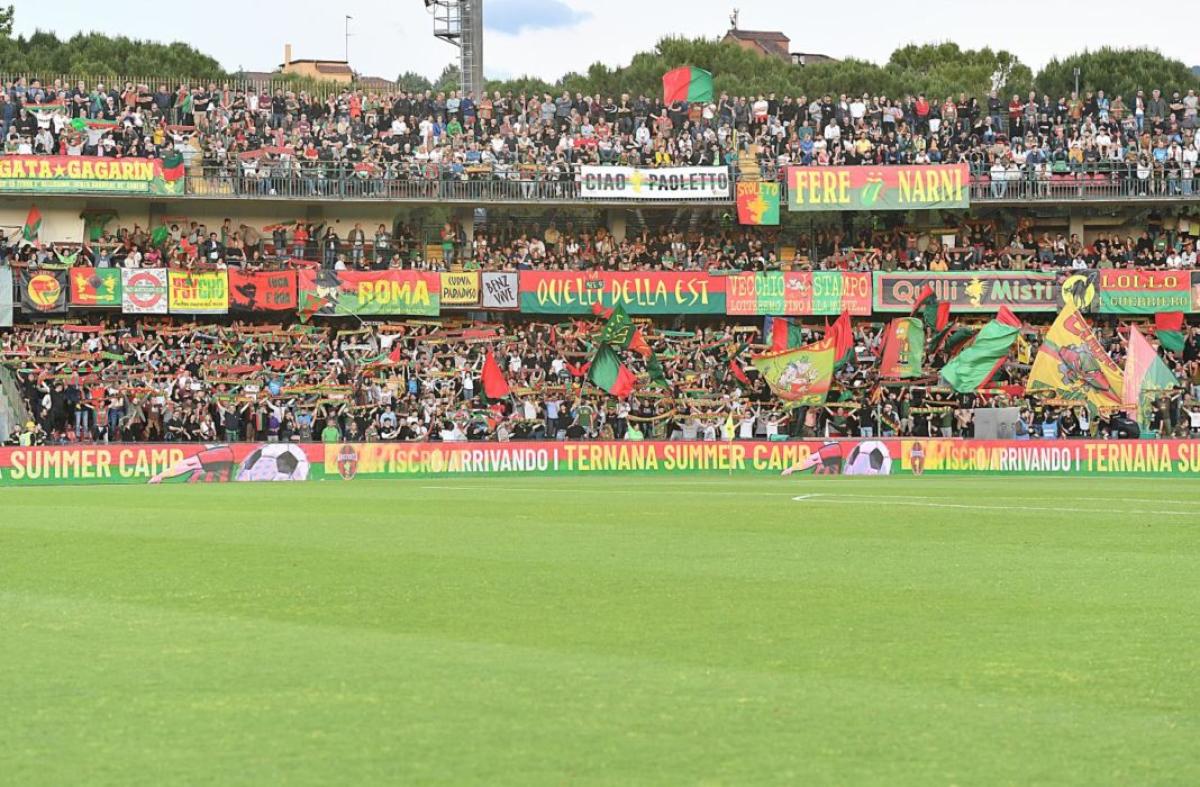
1124 291
96 288
555 292
903 349
263 291
968 292
758 203
687 83
342 293
866 188
296 462
801 376
798 293
43 291
609 374
86 174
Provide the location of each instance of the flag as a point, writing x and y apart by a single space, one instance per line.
1073 363
1145 373
974 367
957 340
159 236
33 224
609 374
577 371
903 349
638 344
658 375
619 329
758 203
494 385
738 372
396 354
784 334
801 376
927 304
1168 327
311 304
842 337
172 165
687 83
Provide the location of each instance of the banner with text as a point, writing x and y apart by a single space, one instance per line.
916 187
81 174
144 291
1144 292
982 292
798 293
263 291
500 290
460 290
555 292
343 293
636 183
198 292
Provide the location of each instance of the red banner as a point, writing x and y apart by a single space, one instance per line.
264 291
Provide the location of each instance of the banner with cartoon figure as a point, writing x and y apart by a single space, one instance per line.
801 376
1072 363
96 288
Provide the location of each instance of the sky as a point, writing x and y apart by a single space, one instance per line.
547 38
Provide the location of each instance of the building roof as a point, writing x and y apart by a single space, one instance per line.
770 41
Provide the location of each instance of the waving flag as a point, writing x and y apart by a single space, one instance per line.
903 349
801 376
1145 374
687 83
608 373
1073 363
974 367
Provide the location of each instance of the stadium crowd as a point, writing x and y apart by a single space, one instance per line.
152 379
1148 139
972 245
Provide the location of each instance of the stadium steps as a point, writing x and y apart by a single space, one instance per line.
748 169
13 411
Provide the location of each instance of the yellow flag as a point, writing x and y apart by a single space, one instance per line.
1072 363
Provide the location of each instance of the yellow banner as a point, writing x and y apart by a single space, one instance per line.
1073 363
460 289
204 292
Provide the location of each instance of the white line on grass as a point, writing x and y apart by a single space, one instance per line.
927 503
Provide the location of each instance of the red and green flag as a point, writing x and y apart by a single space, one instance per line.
801 376
687 83
903 349
758 203
609 374
974 367
311 304
784 334
841 334
1168 327
1145 374
494 385
619 330
33 225
172 165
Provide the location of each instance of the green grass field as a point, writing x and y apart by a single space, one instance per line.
603 631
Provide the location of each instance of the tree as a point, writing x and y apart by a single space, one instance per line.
6 21
96 55
1118 72
449 79
412 82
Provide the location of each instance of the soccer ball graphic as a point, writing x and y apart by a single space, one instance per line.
274 462
869 457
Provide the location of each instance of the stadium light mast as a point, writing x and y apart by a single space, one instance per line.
460 22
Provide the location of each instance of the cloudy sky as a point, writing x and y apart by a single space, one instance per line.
547 38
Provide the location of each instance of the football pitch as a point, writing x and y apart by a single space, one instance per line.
603 630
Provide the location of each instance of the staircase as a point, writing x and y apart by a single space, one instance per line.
747 164
13 411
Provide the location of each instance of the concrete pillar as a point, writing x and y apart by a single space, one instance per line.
1075 224
617 224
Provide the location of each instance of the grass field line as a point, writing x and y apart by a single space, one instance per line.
931 503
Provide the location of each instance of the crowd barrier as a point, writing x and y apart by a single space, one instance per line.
338 463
